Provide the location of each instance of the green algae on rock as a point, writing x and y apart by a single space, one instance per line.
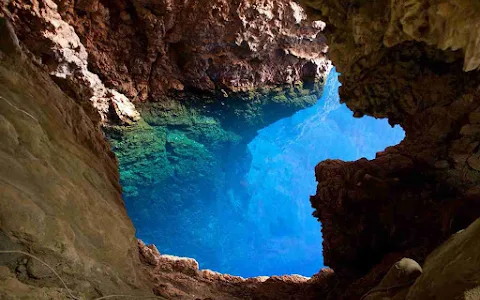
192 130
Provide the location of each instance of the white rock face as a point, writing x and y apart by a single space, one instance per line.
70 63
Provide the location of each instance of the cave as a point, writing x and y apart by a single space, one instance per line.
160 149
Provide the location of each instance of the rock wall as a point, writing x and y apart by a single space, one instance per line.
60 196
59 50
406 61
115 53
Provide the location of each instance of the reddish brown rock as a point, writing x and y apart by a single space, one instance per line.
59 194
415 195
180 278
145 50
61 53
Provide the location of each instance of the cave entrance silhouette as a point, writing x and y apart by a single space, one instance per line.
242 210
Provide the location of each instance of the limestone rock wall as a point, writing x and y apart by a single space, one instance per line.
59 194
414 62
406 61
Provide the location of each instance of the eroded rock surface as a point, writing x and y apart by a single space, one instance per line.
397 65
451 271
396 283
60 51
403 60
59 191
147 48
115 53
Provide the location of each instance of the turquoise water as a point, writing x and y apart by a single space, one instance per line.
282 176
254 224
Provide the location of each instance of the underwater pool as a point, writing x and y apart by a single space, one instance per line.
248 215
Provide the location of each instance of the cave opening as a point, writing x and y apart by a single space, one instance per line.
195 189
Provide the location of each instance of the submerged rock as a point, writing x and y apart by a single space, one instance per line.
189 154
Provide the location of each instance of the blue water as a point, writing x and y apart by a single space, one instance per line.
265 227
282 178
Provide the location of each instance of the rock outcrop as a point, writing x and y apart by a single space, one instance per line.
395 285
59 192
115 53
406 61
61 53
147 48
451 271
180 278
413 62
